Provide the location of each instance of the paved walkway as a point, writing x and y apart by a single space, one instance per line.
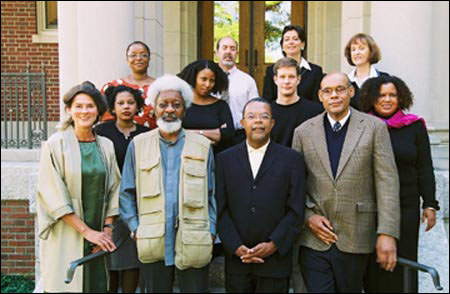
433 251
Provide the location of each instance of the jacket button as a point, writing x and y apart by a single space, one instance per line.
253 209
254 187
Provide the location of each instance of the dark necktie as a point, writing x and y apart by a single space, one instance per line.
226 93
336 126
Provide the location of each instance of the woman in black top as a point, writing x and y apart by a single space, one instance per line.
293 42
123 103
209 116
387 97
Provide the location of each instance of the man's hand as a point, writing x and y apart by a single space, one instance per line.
247 256
430 215
322 228
386 252
262 250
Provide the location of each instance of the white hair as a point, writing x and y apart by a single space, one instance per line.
169 82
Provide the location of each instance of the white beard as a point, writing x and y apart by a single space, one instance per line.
169 127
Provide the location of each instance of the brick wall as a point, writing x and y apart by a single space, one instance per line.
19 23
17 225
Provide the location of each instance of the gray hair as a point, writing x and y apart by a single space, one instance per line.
169 82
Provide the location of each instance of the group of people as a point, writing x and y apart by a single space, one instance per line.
318 182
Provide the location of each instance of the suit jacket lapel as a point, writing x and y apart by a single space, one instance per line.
244 160
317 135
268 159
352 137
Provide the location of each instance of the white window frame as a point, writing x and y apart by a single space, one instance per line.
43 35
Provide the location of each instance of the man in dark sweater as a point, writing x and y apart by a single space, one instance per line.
289 109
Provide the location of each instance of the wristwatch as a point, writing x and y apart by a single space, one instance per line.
201 132
111 226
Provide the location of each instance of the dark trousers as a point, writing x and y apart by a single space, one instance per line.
249 283
159 278
332 271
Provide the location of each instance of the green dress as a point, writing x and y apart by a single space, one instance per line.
93 190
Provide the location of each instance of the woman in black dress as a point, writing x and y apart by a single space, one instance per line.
123 103
388 97
209 116
293 42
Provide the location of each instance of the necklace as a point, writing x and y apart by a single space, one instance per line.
126 131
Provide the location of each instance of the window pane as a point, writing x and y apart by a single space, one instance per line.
226 21
278 15
51 15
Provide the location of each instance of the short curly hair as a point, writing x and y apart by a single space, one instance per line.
370 91
375 52
111 93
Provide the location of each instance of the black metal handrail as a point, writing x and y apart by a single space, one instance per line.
24 109
74 264
411 266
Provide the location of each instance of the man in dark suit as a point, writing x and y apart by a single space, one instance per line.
260 189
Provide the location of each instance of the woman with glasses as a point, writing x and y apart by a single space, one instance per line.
138 58
209 116
388 97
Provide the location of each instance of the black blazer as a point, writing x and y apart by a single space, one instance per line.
309 85
354 102
268 208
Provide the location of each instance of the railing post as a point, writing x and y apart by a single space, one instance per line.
44 100
30 137
5 114
408 279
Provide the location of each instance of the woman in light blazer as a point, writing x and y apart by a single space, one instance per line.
77 195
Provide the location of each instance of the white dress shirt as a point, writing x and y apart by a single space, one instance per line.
305 64
242 87
342 121
352 76
256 157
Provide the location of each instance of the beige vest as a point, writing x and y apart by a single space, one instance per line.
193 246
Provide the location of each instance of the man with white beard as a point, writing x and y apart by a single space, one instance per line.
167 194
241 86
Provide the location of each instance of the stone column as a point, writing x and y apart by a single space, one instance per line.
92 41
180 34
413 38
324 34
149 24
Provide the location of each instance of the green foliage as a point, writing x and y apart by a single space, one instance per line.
226 22
17 284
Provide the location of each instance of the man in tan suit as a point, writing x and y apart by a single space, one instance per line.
352 192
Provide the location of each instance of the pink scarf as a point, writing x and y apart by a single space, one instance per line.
400 119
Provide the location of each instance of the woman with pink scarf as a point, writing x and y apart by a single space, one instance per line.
388 97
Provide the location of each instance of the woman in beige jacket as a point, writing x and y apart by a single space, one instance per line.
77 195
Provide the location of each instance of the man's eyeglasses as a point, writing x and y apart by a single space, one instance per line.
340 90
143 56
252 117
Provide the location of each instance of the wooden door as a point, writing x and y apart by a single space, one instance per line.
259 31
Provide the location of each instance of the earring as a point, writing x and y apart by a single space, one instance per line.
152 113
